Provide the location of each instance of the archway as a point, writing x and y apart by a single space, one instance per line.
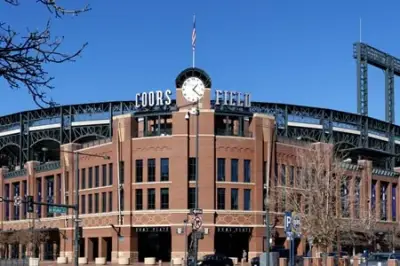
45 150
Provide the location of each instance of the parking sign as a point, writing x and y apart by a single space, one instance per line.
288 222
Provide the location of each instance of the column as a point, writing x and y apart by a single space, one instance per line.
89 249
102 247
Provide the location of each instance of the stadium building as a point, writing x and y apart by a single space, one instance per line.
137 170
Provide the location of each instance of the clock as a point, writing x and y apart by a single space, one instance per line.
193 89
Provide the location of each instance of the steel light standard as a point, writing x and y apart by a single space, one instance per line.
76 187
196 203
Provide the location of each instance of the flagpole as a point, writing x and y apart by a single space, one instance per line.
194 36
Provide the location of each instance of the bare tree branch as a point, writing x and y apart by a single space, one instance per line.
23 58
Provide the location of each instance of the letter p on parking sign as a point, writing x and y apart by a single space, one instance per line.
288 222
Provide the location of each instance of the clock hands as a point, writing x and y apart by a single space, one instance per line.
194 89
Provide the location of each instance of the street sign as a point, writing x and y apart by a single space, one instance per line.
296 224
197 223
196 211
17 201
288 222
57 209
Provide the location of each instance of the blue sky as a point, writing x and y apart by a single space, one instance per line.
288 51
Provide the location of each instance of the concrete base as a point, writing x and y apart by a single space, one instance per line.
100 261
33 261
82 260
177 261
123 261
62 260
150 261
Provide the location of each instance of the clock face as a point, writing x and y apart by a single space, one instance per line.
193 89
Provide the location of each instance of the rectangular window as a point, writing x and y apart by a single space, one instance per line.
96 176
25 190
38 196
90 177
247 200
7 194
90 203
221 169
291 175
110 174
83 178
234 199
247 171
104 202
220 198
104 175
139 199
191 197
96 203
139 171
394 205
164 169
122 196
121 172
151 198
192 169
283 175
234 170
67 181
164 198
357 196
110 201
151 170
83 204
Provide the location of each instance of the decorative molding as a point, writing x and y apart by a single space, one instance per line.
232 148
157 148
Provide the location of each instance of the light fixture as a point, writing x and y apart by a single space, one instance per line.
187 116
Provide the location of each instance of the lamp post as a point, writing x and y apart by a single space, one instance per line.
76 209
196 112
267 229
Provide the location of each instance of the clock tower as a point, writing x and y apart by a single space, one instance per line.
192 85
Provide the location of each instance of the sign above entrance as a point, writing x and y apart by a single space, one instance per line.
232 98
153 98
155 229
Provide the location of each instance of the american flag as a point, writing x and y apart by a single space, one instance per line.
194 34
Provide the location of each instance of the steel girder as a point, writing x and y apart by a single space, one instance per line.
368 55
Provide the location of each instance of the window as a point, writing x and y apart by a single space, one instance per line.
247 200
25 189
192 169
139 199
7 194
67 181
291 175
221 169
121 198
247 171
90 207
110 174
357 195
283 175
83 178
191 197
104 175
151 199
164 169
220 198
139 171
104 202
96 176
121 172
96 203
83 204
234 170
110 201
151 170
90 184
164 198
234 199
394 214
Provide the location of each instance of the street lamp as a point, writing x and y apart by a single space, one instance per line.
267 228
76 209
